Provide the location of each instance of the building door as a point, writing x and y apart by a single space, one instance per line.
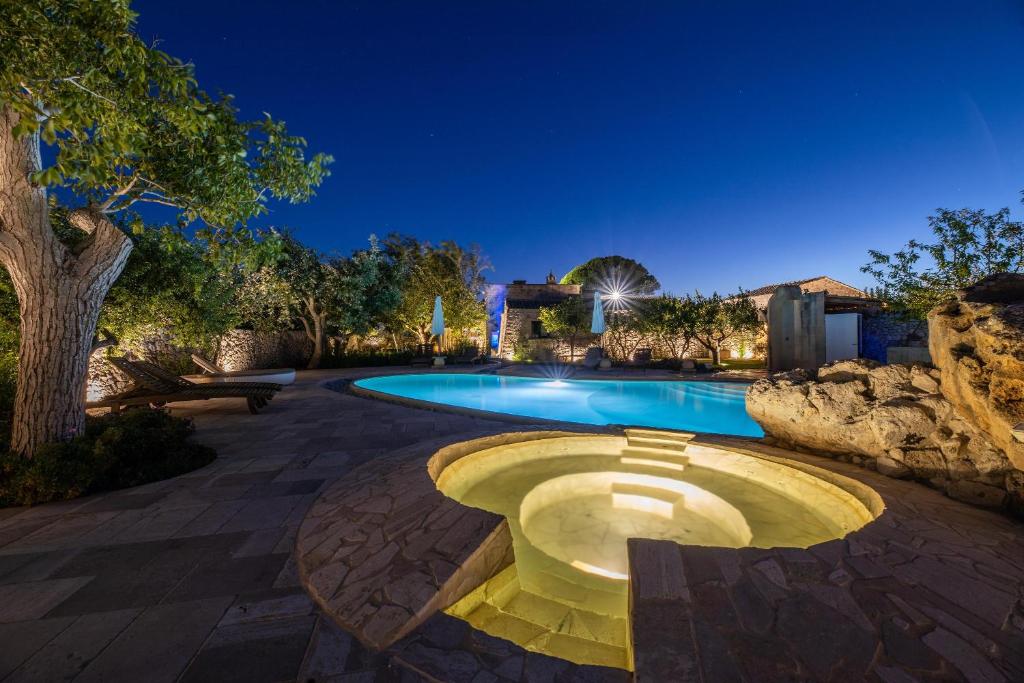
842 336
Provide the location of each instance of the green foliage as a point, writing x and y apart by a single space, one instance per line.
424 271
568 319
969 245
115 451
613 273
128 123
263 301
367 290
169 285
671 320
719 319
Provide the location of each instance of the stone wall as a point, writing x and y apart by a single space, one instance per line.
249 350
883 330
157 346
951 426
104 379
237 350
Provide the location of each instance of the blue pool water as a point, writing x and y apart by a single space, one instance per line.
715 407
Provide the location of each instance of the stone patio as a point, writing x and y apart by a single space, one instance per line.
194 578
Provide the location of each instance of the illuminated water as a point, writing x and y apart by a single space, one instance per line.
572 502
712 407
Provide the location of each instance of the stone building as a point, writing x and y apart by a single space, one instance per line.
514 312
838 293
837 322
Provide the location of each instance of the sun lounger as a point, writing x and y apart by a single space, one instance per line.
156 386
214 373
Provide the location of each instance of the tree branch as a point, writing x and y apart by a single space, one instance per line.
73 80
121 192
104 253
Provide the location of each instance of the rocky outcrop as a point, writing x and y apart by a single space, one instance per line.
957 426
977 342
890 417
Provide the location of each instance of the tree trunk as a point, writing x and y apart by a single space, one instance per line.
716 353
318 344
314 332
60 292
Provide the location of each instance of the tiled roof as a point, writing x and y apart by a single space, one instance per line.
770 289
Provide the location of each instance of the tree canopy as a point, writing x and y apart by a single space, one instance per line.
968 246
613 274
671 320
128 123
119 123
569 318
454 273
719 319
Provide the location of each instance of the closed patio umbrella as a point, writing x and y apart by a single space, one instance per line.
437 324
597 324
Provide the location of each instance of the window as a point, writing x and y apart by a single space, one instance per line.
537 329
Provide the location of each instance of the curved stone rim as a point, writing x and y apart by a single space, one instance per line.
383 549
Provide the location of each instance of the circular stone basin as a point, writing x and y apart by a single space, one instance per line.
584 519
573 501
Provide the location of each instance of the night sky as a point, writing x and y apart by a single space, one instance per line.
722 144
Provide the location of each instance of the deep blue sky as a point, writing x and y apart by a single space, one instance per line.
722 144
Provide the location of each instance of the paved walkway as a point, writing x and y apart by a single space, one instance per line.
193 578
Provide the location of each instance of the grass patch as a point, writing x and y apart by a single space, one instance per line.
114 452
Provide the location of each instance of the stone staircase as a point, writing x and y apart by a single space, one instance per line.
503 608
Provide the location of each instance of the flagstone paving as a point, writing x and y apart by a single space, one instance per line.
195 579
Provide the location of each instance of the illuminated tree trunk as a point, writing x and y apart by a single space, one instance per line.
314 331
60 291
716 352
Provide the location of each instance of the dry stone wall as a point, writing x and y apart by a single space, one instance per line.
250 350
237 350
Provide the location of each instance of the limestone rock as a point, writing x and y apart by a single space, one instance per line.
892 468
977 342
890 416
924 378
977 494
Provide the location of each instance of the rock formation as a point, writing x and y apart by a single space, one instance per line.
952 426
977 342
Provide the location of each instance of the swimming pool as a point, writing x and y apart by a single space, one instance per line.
713 407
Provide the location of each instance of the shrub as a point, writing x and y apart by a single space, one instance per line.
114 451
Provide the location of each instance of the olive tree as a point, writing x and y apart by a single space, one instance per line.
124 124
672 321
968 246
568 319
719 319
448 270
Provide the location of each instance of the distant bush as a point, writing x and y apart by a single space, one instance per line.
115 451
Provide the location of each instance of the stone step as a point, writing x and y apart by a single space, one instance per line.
662 455
668 444
545 625
562 619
